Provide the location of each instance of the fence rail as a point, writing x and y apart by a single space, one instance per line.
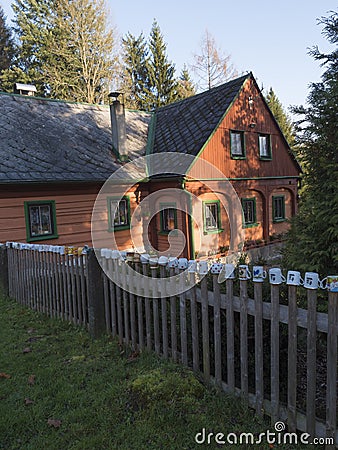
252 347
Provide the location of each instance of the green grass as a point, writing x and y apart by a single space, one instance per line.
104 396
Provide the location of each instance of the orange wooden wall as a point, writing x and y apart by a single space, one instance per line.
74 204
239 117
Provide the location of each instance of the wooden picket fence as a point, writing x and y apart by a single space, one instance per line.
50 283
251 347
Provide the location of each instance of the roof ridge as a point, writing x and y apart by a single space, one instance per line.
207 92
52 100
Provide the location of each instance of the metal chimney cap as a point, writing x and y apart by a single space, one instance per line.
115 94
25 87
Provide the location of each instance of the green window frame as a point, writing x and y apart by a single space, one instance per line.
278 208
264 146
118 213
237 144
168 217
212 217
249 212
40 218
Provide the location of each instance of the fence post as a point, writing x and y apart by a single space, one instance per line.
292 359
97 325
4 269
244 338
331 381
274 333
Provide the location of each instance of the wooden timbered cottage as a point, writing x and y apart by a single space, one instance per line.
56 156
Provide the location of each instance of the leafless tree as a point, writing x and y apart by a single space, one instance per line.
212 67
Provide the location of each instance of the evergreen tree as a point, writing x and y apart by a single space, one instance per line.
283 120
185 86
313 238
147 76
81 58
6 44
162 85
33 24
134 79
65 48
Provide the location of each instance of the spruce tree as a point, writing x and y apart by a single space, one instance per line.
33 24
313 238
65 48
134 79
147 76
162 85
81 58
283 120
185 85
6 43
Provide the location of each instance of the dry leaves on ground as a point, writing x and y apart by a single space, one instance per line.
5 375
56 423
31 380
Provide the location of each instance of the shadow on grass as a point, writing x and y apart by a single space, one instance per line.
59 389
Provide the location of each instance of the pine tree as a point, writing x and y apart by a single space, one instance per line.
185 86
134 79
162 85
283 120
6 44
313 238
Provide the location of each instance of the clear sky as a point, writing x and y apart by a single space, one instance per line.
267 37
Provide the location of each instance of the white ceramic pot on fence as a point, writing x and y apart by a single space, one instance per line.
244 272
276 276
172 262
294 279
259 274
203 267
216 268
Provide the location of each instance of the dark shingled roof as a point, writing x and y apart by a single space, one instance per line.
44 140
186 126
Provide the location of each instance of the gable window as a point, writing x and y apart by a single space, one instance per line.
40 220
212 217
278 208
264 146
168 217
237 144
249 212
118 213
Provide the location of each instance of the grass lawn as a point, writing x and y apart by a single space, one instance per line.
60 390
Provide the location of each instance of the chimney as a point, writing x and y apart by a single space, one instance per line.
24 89
118 125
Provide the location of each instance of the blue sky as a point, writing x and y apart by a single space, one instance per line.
269 38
